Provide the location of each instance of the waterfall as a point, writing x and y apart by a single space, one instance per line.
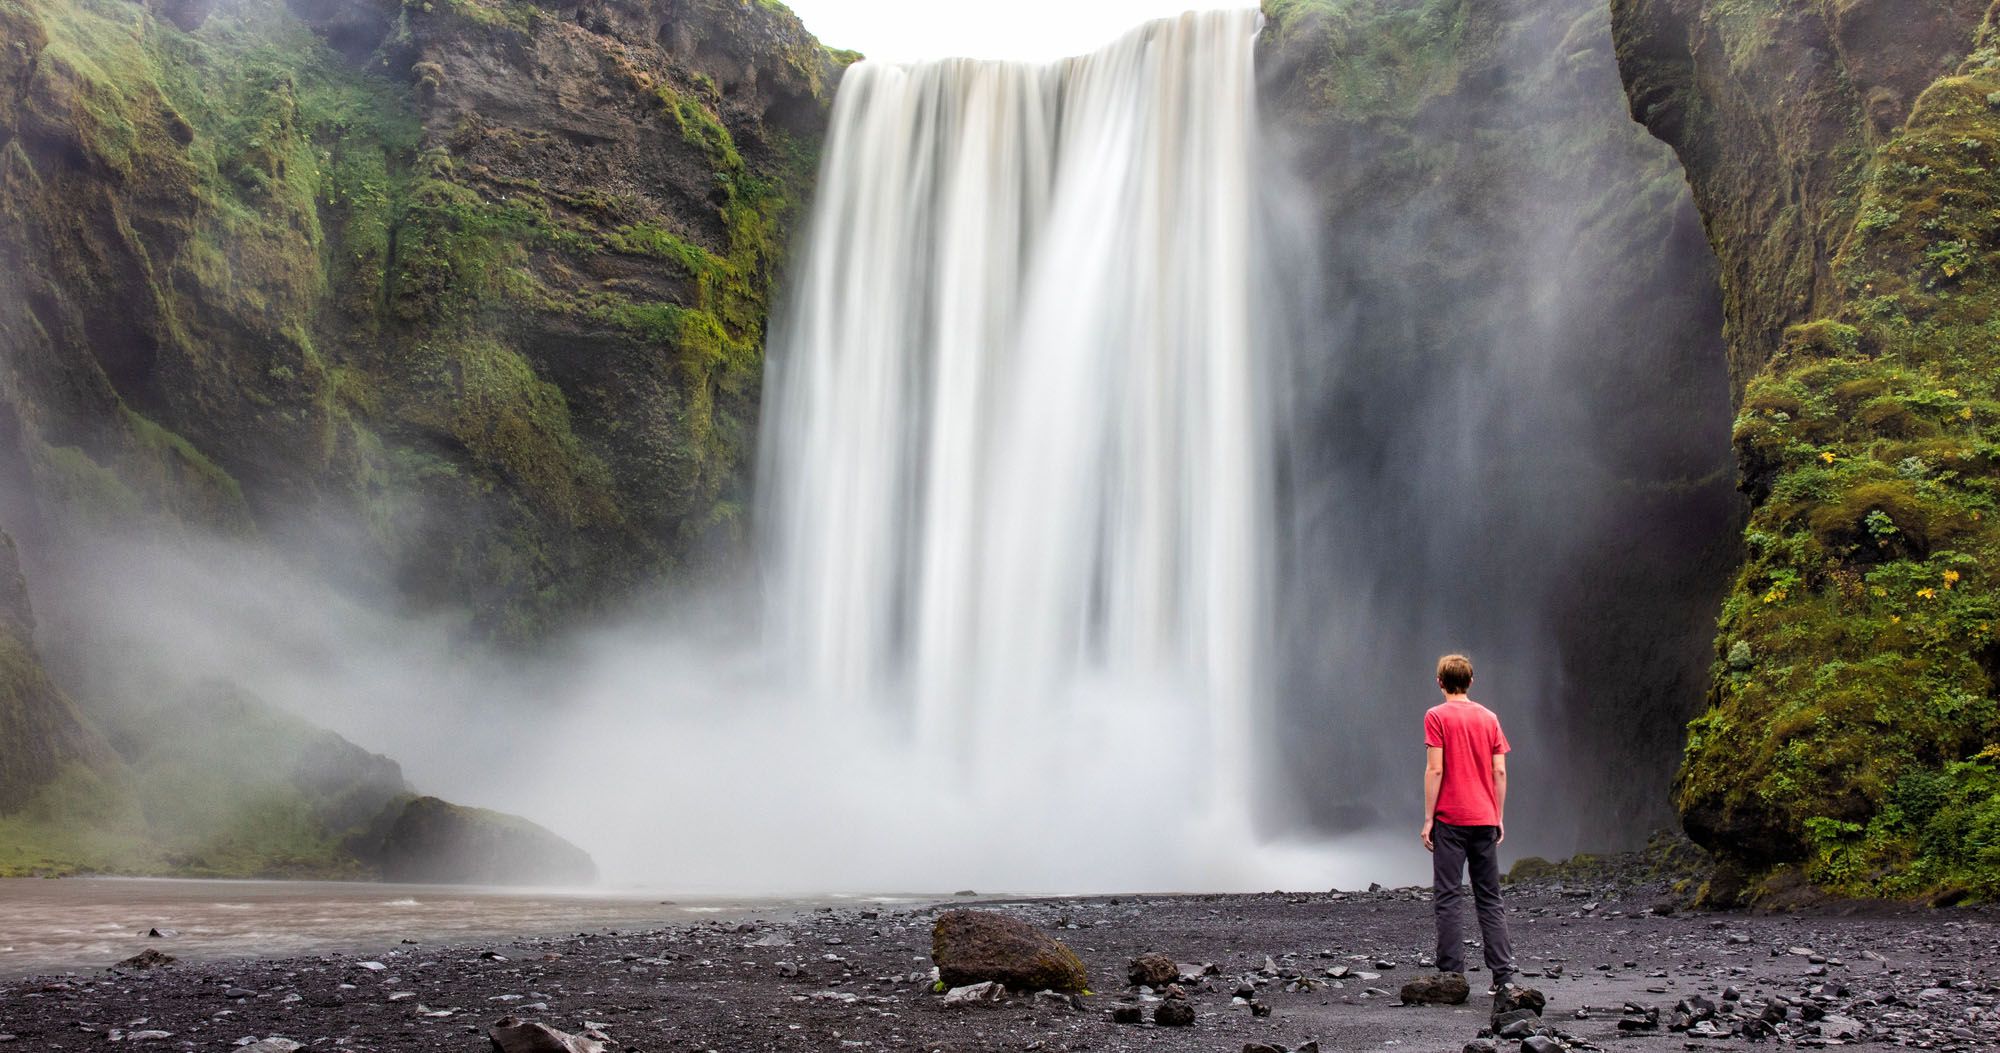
1019 418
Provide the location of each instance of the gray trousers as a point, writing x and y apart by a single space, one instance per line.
1452 849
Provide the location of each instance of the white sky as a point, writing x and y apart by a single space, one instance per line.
902 30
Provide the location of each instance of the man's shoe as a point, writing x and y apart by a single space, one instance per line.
1501 981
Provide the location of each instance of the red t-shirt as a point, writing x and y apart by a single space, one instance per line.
1470 735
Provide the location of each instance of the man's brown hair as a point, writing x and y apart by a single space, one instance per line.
1454 673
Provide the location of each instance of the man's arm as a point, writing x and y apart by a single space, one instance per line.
1433 781
1500 795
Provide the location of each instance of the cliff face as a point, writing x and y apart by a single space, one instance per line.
33 713
472 289
459 302
1516 418
1842 154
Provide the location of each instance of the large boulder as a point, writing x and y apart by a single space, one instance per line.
432 840
973 946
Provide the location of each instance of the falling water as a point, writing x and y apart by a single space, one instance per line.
1019 427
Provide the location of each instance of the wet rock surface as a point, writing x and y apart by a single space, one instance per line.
1610 977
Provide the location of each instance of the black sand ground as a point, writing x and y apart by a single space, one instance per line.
841 980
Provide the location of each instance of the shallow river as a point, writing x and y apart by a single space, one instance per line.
89 923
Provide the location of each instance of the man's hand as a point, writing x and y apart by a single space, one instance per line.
1502 839
1425 836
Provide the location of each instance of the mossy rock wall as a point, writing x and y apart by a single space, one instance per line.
464 298
1843 155
458 303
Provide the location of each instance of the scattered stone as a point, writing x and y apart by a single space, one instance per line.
1059 1000
1437 989
161 934
1541 1044
971 946
1514 997
1153 970
1193 972
273 1044
148 959
1480 1045
1260 1009
986 993
513 1035
1128 1013
1262 1047
1174 1012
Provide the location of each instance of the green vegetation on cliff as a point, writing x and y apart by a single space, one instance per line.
1853 736
332 264
461 302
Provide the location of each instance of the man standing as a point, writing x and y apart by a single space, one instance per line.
1465 803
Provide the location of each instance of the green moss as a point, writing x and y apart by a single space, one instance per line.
1861 743
1377 59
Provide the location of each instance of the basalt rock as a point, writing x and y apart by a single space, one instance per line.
1174 1012
971 947
1153 970
514 1035
1440 989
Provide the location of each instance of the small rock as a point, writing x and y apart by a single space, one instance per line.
1541 1044
1438 989
161 934
1153 970
1128 1013
373 967
988 993
273 1044
1262 1047
1174 1012
1480 1045
511 1034
1059 1000
1193 972
148 959
1514 997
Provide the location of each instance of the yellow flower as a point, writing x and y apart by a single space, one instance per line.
1950 393
1950 578
1895 619
1880 591
1827 456
1966 413
1929 594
